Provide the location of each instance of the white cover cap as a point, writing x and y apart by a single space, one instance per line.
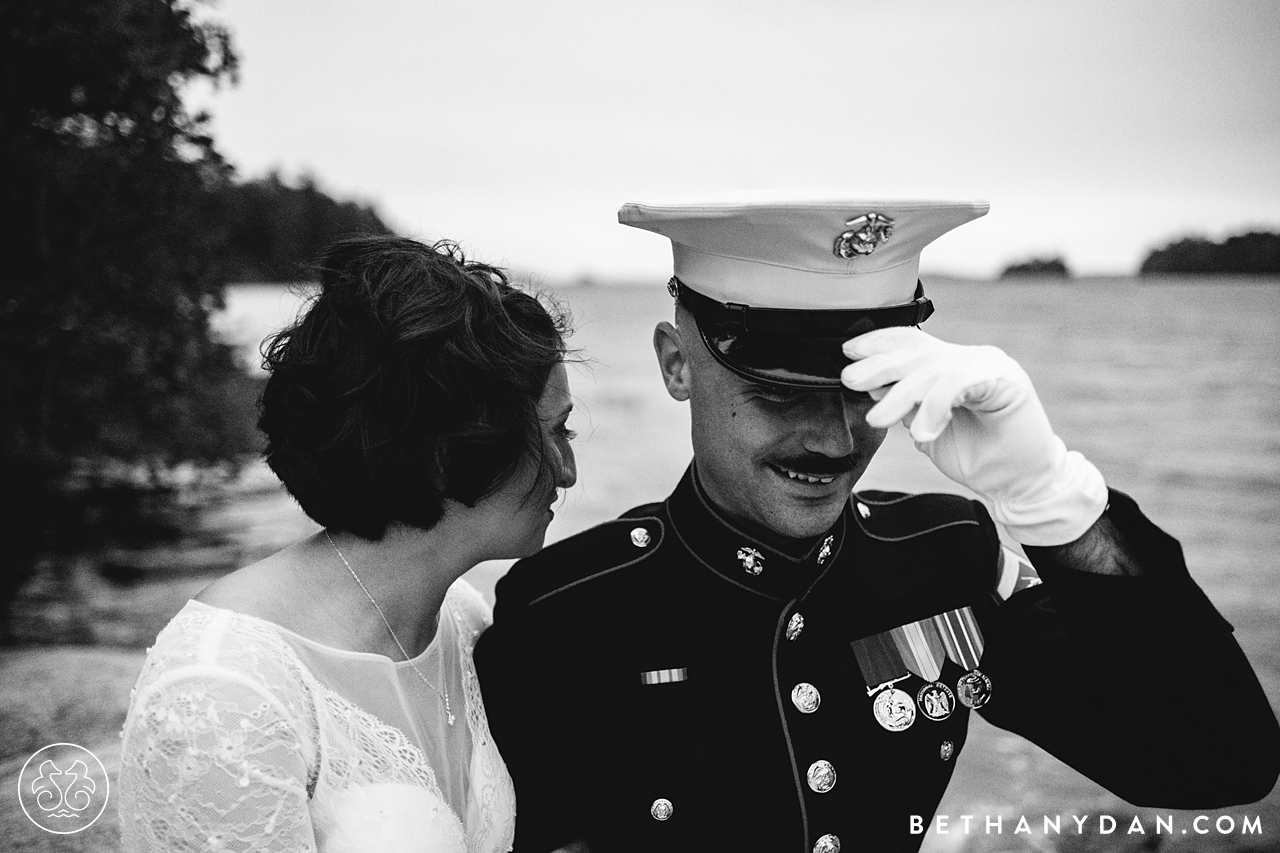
828 254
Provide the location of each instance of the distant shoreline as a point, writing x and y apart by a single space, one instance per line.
300 288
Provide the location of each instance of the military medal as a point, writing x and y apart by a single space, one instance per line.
921 648
893 709
936 701
882 666
963 641
924 653
974 689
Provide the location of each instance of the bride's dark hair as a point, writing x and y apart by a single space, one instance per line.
413 376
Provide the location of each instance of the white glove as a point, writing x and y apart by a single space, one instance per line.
973 411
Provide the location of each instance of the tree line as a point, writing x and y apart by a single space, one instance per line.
124 225
1252 253
274 230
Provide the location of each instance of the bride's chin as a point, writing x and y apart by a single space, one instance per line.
526 548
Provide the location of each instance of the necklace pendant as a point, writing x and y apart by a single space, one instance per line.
451 718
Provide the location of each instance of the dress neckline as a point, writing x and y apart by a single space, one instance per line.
334 650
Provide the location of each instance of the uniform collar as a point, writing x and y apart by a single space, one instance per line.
737 556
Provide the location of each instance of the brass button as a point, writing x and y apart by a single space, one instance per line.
805 697
640 537
947 750
821 776
827 844
794 626
661 808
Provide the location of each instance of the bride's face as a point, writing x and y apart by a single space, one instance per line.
521 510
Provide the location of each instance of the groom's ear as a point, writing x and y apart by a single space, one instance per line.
673 360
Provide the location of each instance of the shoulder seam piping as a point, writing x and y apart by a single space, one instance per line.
647 553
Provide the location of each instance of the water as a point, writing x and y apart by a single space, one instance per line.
1172 387
1169 386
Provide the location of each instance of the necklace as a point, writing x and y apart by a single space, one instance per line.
444 697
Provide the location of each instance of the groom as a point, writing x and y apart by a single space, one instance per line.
764 662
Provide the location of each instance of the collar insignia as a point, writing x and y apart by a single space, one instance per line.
752 560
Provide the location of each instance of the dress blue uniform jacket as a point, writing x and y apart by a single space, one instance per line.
1134 681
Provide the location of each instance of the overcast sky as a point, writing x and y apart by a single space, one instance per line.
1097 130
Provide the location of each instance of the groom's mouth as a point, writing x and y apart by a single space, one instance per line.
804 477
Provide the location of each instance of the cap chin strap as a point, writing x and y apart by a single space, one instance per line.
799 322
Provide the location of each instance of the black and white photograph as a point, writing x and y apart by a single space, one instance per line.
597 427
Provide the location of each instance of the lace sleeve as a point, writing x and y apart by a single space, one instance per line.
470 609
213 760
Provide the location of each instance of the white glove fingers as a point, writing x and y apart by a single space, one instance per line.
886 340
877 371
902 398
1001 446
938 404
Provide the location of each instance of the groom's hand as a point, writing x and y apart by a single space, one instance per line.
974 412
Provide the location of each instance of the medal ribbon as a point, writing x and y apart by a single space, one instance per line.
921 648
961 636
879 659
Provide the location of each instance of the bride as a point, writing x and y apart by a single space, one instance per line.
325 698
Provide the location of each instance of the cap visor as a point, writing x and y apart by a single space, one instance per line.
808 363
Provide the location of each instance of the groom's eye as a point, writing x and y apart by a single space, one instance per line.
771 394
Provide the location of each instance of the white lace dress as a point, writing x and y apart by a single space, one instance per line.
243 736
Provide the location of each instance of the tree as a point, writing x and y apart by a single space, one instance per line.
274 229
1049 267
1252 253
113 253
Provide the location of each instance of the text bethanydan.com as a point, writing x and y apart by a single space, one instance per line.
1104 824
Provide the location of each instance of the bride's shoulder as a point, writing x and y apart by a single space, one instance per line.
470 610
211 640
267 589
225 636
281 589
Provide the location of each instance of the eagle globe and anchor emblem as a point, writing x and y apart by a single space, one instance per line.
63 788
865 233
752 561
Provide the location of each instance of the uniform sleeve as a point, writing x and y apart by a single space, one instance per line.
530 704
1137 682
212 760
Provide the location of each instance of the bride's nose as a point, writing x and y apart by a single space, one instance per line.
567 470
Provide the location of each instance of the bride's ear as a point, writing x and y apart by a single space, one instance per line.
673 360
